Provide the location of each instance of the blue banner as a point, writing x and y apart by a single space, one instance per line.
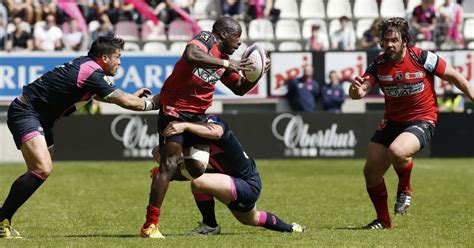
136 71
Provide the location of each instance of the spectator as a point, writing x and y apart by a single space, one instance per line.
48 36
74 38
233 8
450 101
20 39
3 34
21 8
43 8
343 38
423 21
318 40
451 16
370 39
159 9
167 15
332 94
105 27
258 9
303 92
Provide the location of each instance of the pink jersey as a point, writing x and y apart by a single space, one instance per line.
408 86
190 88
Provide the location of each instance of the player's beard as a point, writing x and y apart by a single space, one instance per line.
393 56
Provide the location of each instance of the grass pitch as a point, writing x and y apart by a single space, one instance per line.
102 204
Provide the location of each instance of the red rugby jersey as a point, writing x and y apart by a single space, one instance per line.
191 88
408 86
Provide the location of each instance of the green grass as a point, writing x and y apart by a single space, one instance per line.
102 204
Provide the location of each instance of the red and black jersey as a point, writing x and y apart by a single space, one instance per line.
408 86
190 88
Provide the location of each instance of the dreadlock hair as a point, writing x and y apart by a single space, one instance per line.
105 45
396 24
226 24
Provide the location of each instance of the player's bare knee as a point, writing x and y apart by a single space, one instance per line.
156 153
169 166
197 185
194 167
397 155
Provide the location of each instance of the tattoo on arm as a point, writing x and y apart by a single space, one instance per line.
114 95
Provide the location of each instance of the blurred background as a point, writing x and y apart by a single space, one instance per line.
299 109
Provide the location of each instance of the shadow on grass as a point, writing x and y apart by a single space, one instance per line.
136 235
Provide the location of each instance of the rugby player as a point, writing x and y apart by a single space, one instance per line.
406 76
56 94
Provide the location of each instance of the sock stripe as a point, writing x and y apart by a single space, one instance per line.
262 218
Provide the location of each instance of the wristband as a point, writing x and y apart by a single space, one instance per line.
226 63
149 105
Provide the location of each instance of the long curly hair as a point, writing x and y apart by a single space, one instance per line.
396 24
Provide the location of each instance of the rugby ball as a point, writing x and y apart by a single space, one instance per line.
256 54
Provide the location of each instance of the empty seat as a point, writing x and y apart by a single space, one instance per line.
338 8
131 46
287 30
266 45
244 35
470 45
468 29
180 30
426 45
362 26
127 30
366 9
202 9
411 5
261 29
312 9
392 8
206 25
93 26
154 47
152 31
178 47
307 24
288 8
468 9
289 46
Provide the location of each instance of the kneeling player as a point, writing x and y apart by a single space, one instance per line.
235 181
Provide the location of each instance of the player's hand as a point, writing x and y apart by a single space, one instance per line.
356 90
144 92
240 65
174 128
156 99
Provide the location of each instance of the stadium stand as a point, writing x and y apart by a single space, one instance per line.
154 47
151 31
288 46
338 8
261 29
288 8
366 9
287 30
392 8
362 26
306 29
314 9
179 30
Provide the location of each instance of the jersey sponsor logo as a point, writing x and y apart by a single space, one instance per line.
399 76
413 75
431 60
403 89
204 36
109 82
385 77
207 75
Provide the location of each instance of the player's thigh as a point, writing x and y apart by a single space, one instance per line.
403 147
215 184
37 155
377 163
248 218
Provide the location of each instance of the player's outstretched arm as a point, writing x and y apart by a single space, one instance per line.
454 77
360 87
206 130
239 85
131 101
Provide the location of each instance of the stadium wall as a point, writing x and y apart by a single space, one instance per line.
264 136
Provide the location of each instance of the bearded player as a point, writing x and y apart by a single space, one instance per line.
406 76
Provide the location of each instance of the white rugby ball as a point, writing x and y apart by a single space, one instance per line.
257 55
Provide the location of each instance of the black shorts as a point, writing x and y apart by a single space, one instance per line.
389 131
25 123
248 192
185 139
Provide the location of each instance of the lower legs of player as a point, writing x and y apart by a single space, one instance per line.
376 165
169 155
264 219
38 160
